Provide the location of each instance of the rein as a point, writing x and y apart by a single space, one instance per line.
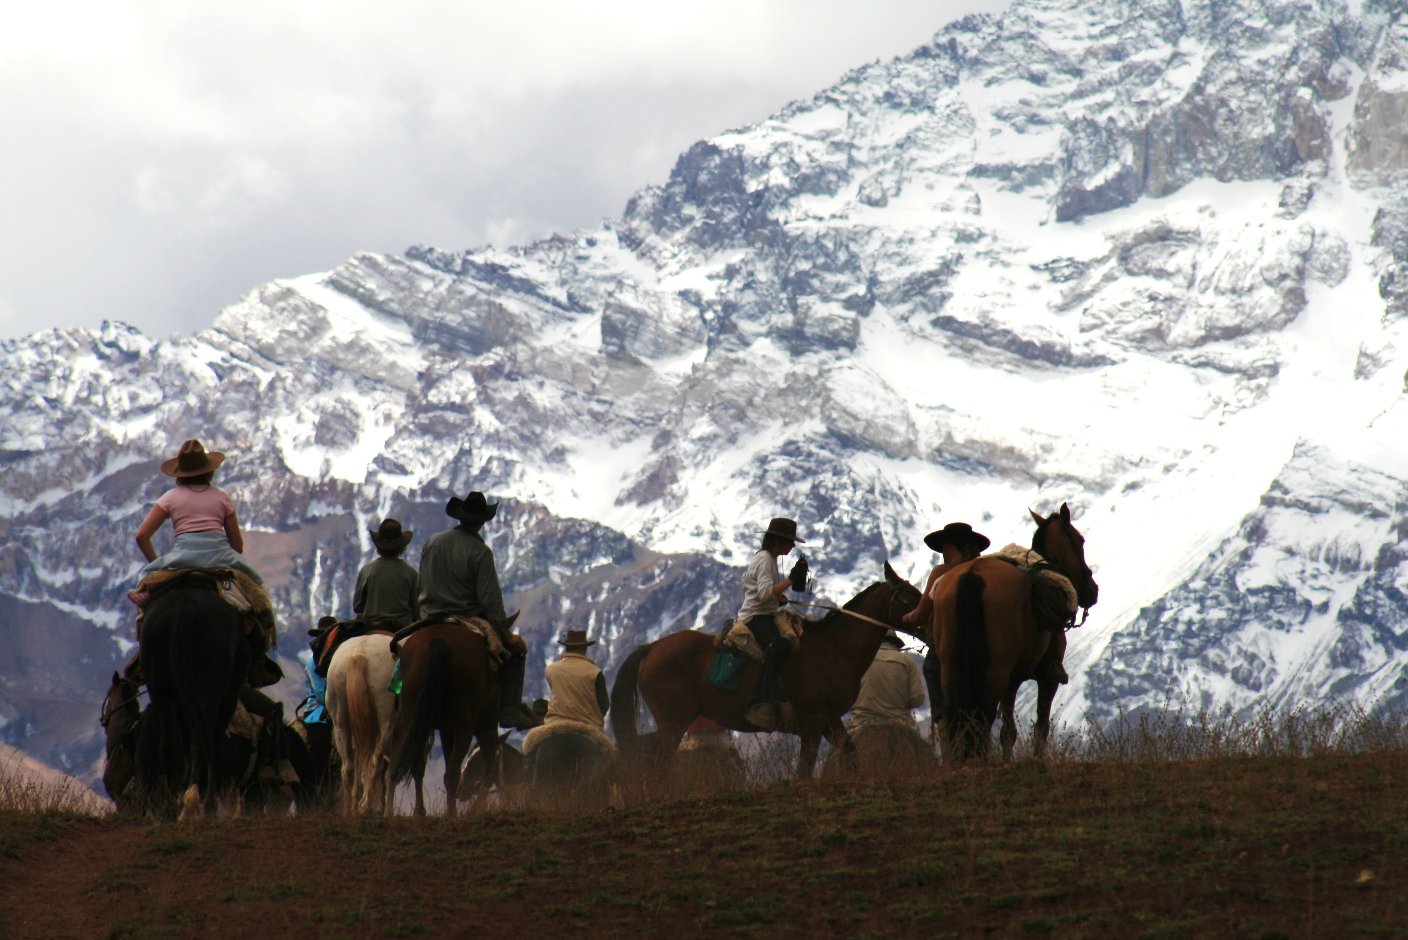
840 610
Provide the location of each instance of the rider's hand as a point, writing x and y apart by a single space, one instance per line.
516 646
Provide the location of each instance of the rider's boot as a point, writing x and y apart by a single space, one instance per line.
512 712
765 712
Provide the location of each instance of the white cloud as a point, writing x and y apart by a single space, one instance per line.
165 157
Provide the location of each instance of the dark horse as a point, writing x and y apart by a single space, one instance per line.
194 659
447 685
122 708
989 639
821 678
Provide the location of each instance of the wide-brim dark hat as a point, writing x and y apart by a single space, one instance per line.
784 528
390 534
960 533
193 460
473 508
893 638
576 638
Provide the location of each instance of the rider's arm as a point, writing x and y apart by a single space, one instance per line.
232 532
916 686
147 529
491 598
603 700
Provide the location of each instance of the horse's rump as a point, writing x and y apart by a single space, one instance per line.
559 727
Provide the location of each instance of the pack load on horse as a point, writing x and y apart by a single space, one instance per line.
570 754
313 723
1000 621
820 681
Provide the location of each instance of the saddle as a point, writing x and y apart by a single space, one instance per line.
498 653
559 726
235 588
737 638
344 630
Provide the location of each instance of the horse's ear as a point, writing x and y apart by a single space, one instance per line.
115 677
891 576
1036 516
1065 514
513 616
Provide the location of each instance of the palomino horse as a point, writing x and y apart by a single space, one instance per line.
989 641
821 678
194 659
363 711
447 685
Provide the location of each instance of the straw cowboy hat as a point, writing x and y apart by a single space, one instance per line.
960 534
192 461
390 535
473 508
784 528
576 639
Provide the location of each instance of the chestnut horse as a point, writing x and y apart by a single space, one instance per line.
989 641
447 685
821 678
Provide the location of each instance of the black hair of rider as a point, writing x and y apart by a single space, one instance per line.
200 480
771 542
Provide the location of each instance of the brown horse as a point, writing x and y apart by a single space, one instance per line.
821 678
447 685
989 641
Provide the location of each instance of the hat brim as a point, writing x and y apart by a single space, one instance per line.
583 645
936 540
455 510
783 535
380 542
172 467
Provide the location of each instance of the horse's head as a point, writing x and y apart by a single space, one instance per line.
1061 544
120 707
896 597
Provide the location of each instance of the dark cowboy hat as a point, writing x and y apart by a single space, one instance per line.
192 461
473 508
960 533
784 528
324 625
390 534
576 638
893 638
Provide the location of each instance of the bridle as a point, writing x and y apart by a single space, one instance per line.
1039 546
106 713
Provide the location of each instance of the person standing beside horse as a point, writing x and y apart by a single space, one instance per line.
764 592
458 579
958 544
388 587
889 690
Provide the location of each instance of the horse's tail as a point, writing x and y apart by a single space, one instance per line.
362 727
967 695
625 698
427 706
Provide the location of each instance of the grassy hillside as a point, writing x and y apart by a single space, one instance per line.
1293 842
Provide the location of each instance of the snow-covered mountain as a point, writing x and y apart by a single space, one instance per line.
1147 257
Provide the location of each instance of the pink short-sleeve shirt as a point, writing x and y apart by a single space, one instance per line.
197 508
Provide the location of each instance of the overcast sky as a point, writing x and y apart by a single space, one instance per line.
160 159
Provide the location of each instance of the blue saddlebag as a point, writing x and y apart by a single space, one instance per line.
727 670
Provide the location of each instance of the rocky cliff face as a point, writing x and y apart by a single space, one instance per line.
1145 257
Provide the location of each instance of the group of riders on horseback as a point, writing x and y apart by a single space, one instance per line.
457 583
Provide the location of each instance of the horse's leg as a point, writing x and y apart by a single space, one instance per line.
841 740
1041 730
1009 722
811 743
456 749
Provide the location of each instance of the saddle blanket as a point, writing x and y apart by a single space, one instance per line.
567 726
235 588
741 640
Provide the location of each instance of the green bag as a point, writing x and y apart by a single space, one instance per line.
728 666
